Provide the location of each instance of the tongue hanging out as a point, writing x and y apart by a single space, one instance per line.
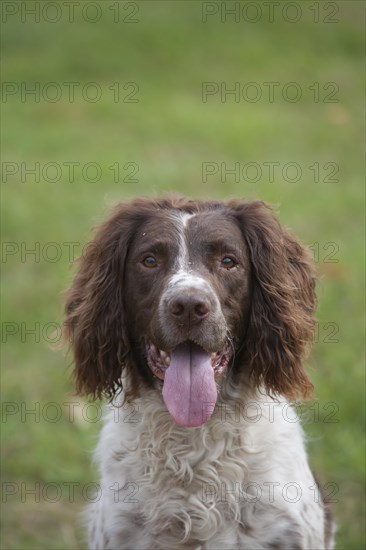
189 388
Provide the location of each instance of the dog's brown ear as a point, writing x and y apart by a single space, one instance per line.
95 321
281 325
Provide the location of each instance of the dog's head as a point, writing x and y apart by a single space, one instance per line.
186 292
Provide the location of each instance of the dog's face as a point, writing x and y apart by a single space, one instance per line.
186 292
187 300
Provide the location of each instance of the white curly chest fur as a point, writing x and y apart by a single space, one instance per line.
240 481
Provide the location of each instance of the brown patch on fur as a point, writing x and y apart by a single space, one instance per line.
281 326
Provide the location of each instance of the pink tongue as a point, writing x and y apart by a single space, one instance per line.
189 388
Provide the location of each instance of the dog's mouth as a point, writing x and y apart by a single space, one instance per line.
188 373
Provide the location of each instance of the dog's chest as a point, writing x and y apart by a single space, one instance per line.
224 479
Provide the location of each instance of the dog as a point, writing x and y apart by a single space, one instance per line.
194 318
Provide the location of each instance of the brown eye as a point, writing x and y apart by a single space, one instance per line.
228 262
150 261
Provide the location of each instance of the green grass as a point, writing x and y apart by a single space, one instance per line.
169 133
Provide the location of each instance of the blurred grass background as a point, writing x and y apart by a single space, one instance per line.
168 133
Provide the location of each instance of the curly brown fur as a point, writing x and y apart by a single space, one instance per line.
279 327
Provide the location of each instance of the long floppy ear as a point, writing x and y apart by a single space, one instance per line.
281 325
95 321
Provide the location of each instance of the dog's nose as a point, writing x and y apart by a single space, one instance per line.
189 309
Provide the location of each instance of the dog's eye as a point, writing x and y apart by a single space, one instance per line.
150 261
228 262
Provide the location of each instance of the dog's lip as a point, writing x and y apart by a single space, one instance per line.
159 360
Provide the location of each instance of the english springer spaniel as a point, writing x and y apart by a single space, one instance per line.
194 318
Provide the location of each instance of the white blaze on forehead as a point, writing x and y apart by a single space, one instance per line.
185 216
185 275
183 264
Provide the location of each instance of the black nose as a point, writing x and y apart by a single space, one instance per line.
189 309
